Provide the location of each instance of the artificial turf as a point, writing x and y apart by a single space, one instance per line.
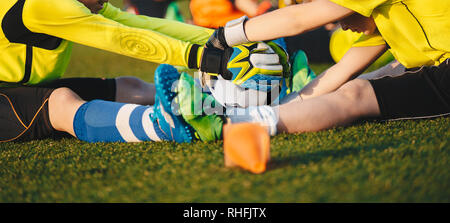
396 161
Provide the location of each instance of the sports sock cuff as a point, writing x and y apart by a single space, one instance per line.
78 127
270 118
95 121
264 115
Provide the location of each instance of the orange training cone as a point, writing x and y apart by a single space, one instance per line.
246 145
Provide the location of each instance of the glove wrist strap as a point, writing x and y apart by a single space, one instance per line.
193 62
217 40
234 31
211 61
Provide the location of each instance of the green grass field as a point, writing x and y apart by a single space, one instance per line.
398 161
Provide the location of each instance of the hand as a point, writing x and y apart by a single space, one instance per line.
359 23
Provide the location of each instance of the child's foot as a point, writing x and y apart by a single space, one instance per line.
194 106
301 72
172 125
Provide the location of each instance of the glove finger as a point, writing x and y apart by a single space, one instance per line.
274 69
263 47
264 59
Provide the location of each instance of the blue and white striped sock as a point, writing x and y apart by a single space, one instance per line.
105 121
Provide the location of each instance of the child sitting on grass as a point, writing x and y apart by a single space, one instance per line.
415 31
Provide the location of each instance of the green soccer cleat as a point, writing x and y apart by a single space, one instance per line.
194 106
301 72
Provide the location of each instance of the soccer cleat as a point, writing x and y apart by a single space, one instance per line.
199 109
301 73
172 125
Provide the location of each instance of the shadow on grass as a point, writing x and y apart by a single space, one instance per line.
317 156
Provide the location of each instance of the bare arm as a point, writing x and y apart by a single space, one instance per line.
294 20
354 62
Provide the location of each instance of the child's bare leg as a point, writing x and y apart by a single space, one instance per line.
62 106
134 90
353 100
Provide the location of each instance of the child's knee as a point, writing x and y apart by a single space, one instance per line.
130 82
134 90
62 106
360 98
61 97
355 90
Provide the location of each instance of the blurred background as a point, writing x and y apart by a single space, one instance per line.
90 62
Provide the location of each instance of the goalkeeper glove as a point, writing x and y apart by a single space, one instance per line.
284 57
237 63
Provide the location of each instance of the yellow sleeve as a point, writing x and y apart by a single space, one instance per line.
175 29
363 7
71 20
369 40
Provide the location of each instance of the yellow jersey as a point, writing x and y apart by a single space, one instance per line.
36 37
416 30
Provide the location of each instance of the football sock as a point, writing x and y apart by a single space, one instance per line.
105 121
266 116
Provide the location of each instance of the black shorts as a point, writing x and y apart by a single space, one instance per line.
24 110
419 93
